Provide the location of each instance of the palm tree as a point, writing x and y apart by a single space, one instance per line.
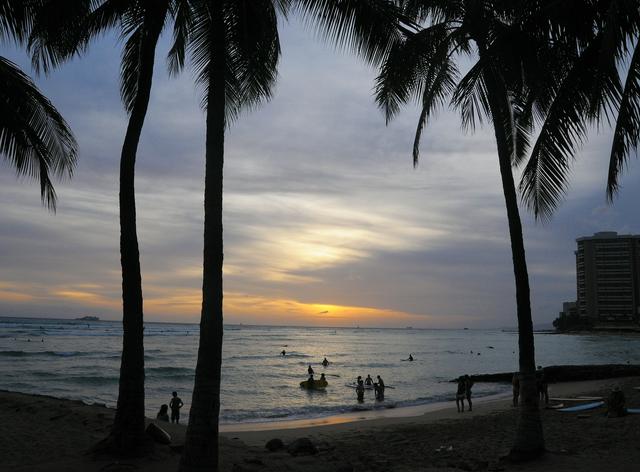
603 41
504 86
235 49
66 29
34 137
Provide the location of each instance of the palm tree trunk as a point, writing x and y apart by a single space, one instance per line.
201 442
529 442
128 427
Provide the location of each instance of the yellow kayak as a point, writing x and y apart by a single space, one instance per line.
314 385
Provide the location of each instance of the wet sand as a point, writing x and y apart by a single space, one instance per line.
40 433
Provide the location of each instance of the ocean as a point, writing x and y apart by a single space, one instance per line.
81 360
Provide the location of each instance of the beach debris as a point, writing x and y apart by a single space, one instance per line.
274 444
158 434
444 449
344 467
302 447
118 466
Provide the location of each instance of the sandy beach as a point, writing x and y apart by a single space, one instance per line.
41 433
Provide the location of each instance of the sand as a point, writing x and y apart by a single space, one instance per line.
39 433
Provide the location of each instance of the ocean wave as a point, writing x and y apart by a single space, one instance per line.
169 370
46 353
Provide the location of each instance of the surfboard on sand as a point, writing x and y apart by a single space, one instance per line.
583 407
575 399
555 407
158 434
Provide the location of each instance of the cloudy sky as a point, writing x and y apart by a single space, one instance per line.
326 221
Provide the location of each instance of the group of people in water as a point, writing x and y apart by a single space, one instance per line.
378 387
175 404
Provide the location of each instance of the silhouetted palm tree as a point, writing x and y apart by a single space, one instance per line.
504 85
66 29
602 42
34 137
235 50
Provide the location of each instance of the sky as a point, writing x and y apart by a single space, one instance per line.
326 221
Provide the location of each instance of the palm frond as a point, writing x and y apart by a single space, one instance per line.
15 20
367 27
401 76
544 179
34 137
627 131
182 13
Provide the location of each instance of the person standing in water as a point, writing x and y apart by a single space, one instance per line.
283 353
360 390
460 395
468 383
325 362
368 380
310 370
175 404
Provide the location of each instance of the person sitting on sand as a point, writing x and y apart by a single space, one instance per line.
360 390
515 383
175 404
310 370
616 404
460 395
325 362
163 414
368 380
468 383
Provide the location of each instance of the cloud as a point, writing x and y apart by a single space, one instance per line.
323 209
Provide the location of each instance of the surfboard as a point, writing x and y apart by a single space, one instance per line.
633 411
575 399
555 407
583 407
366 387
158 434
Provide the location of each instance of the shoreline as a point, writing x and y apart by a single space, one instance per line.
50 434
436 410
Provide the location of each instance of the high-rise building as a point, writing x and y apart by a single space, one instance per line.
608 277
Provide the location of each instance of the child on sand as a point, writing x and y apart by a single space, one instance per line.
163 414
175 404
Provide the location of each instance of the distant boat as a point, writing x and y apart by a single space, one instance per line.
409 327
466 328
88 318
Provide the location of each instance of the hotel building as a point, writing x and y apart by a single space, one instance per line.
608 278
